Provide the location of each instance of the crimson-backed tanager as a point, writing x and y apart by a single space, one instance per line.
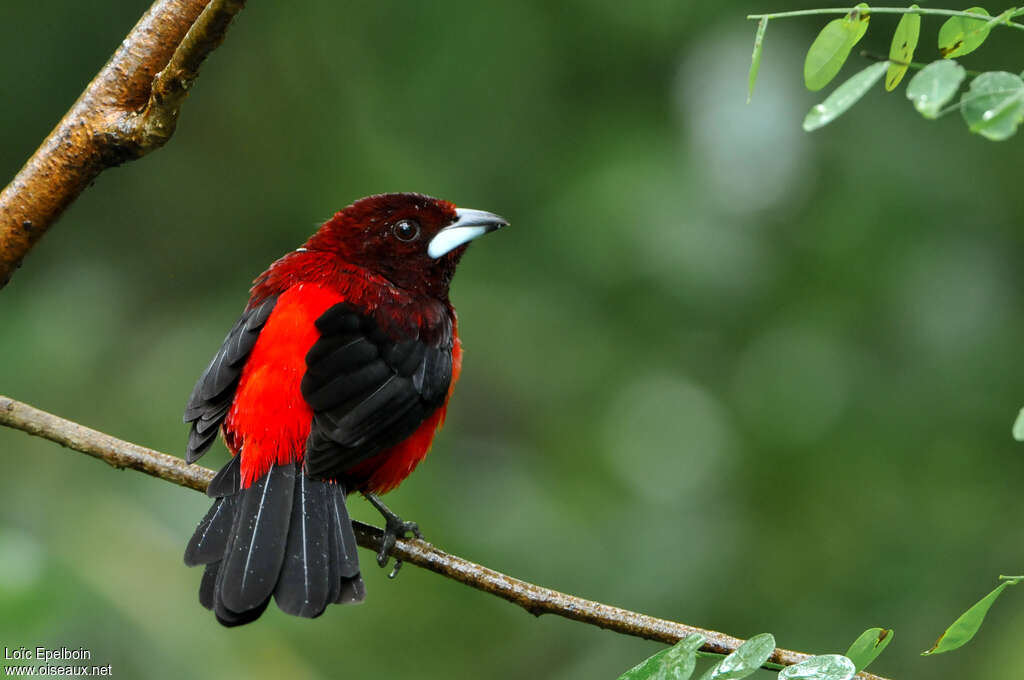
335 379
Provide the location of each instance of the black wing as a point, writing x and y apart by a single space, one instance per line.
367 391
212 396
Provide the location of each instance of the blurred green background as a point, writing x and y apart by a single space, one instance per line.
718 370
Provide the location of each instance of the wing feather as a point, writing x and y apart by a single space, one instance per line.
367 390
215 390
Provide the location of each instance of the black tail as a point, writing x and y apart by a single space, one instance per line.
285 535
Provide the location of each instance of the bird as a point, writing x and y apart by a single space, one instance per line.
334 380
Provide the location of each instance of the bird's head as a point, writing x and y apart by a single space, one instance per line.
414 241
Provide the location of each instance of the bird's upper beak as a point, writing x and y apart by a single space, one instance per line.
468 225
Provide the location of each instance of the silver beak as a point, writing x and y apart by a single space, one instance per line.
468 225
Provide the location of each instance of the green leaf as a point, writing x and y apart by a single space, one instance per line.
859 17
934 86
844 96
868 646
901 51
960 35
755 58
823 667
830 49
994 105
1018 427
963 629
674 663
827 54
745 661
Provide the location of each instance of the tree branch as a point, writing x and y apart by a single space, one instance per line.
129 109
533 598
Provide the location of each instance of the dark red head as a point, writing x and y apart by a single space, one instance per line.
414 241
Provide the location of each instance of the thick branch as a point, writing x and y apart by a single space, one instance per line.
129 109
533 598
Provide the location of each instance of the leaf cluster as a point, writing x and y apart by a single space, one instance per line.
678 662
992 105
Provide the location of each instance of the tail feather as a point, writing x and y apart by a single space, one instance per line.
341 527
256 550
353 591
286 536
303 585
228 481
211 536
211 587
228 617
346 583
208 583
214 574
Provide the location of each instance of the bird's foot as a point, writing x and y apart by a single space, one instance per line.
394 527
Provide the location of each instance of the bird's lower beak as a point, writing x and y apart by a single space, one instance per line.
468 225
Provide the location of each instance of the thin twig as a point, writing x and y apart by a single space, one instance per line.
128 110
533 598
1000 20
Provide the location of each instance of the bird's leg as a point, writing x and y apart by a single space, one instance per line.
394 526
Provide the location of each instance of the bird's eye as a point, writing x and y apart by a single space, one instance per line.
406 230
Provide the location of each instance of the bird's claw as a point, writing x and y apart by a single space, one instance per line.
394 527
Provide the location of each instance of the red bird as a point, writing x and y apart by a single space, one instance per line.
335 379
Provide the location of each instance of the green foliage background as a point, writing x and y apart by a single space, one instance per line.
718 370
